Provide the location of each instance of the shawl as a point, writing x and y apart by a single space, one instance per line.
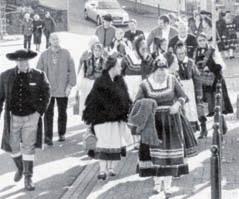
142 116
108 101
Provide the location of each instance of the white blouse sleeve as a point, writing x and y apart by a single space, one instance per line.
217 56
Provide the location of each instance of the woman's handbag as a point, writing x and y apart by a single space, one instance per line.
89 139
207 78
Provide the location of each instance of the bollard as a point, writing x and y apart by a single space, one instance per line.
216 146
215 173
237 111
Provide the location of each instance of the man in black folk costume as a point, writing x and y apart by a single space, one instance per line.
26 93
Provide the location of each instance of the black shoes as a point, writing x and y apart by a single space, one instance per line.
48 141
62 138
29 186
102 176
112 173
203 132
19 165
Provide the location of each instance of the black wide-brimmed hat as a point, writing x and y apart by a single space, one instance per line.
108 17
23 54
204 12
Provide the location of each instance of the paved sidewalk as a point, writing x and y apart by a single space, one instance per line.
196 185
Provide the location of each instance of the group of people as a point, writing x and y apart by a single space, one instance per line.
151 90
29 96
36 27
227 28
133 89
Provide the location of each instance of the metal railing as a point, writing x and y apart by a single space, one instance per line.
216 149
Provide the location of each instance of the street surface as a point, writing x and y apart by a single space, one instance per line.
57 168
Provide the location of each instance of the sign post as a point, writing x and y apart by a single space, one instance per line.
214 19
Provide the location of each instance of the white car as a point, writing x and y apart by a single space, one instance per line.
95 10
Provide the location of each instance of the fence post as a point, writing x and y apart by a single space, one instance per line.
215 173
158 10
216 146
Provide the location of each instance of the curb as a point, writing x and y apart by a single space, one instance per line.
83 184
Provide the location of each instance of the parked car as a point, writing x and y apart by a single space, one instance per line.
95 10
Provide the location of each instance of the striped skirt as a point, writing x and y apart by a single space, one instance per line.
166 159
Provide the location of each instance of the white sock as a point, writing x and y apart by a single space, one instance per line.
158 183
167 184
103 166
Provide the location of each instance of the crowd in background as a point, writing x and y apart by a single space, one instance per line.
162 86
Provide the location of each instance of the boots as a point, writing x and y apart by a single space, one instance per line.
28 171
19 165
203 132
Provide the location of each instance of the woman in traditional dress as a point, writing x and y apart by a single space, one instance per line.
161 49
189 40
107 107
88 52
195 24
189 77
165 160
207 28
91 69
230 34
136 66
37 31
208 60
119 44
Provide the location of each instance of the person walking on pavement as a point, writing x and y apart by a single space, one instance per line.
27 29
210 64
107 106
59 67
106 32
37 31
133 32
189 76
26 93
164 30
166 158
49 27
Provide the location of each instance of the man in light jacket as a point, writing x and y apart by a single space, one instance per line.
163 31
49 27
59 67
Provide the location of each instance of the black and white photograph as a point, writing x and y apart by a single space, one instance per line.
119 99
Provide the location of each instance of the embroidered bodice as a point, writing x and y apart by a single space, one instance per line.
93 67
164 96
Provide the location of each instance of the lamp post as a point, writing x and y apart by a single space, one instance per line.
68 14
214 23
